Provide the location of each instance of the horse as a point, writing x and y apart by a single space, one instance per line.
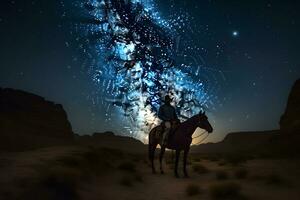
179 140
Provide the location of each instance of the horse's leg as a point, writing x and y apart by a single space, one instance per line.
186 151
152 148
161 155
176 163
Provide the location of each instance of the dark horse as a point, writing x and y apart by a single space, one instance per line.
179 140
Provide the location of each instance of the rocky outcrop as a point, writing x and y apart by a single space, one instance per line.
110 140
279 142
290 120
28 121
240 142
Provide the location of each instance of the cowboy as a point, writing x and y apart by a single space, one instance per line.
168 115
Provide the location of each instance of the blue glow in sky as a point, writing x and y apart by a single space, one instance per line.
139 57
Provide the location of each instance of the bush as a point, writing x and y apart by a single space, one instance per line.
138 177
196 159
55 183
126 181
274 179
221 175
236 159
127 166
222 163
70 161
200 169
227 190
192 190
241 173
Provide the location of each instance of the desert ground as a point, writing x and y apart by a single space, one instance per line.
95 173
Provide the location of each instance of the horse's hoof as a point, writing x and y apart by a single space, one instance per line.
162 172
176 176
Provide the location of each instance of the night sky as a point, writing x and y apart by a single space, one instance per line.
248 49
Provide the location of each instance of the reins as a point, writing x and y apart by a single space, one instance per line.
200 136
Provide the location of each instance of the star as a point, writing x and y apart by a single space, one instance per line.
235 33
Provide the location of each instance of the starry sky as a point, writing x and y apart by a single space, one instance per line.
250 50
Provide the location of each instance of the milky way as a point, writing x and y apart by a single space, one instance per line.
135 57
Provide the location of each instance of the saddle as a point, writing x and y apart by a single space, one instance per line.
161 129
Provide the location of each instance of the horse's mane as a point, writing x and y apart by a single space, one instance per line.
191 119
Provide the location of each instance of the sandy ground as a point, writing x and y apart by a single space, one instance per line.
265 179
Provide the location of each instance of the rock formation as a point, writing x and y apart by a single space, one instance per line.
28 121
290 120
110 140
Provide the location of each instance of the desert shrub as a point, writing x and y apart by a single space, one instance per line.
241 173
192 190
138 177
200 169
236 159
55 183
196 159
221 175
70 161
126 181
274 179
214 158
127 166
90 162
93 158
228 190
222 163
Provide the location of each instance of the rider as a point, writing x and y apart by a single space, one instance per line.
168 115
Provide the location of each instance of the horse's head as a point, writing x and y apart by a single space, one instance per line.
204 123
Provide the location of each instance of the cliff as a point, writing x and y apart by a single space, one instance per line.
290 120
28 121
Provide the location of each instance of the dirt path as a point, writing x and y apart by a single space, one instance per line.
167 187
266 179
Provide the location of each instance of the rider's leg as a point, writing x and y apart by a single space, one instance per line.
166 132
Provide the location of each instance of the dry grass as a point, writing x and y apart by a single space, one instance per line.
221 175
275 179
236 159
127 166
192 190
55 183
126 181
200 169
241 173
226 190
196 159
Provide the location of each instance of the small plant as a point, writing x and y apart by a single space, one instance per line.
229 190
236 159
241 173
274 179
61 181
222 163
200 169
127 166
214 158
138 177
126 181
197 159
192 190
221 175
70 161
